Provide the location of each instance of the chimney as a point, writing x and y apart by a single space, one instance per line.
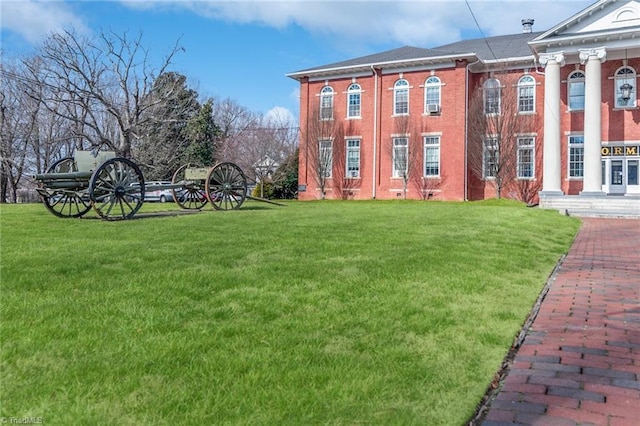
526 25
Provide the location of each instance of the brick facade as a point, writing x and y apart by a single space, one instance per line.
462 76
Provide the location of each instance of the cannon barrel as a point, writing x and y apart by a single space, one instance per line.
69 176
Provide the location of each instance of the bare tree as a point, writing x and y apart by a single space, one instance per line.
103 85
319 138
236 124
31 136
405 151
343 184
497 122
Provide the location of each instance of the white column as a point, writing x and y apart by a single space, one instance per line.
551 150
592 180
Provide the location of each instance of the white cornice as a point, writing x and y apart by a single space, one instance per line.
414 63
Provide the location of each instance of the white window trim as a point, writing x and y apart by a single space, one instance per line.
532 147
328 173
424 155
569 177
350 92
396 89
330 94
427 86
531 85
395 175
616 86
574 81
484 96
347 150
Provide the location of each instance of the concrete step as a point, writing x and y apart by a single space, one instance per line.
589 206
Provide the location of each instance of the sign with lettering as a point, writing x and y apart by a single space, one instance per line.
620 151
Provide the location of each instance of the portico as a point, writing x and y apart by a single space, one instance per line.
591 125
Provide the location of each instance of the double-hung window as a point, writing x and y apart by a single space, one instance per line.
576 156
492 94
526 94
325 154
431 156
354 99
401 97
432 95
490 157
576 91
353 158
526 163
400 156
326 103
625 76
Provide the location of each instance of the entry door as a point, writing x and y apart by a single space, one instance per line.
633 182
617 183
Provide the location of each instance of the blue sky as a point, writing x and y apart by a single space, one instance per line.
243 49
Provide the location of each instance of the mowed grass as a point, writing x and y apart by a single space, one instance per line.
367 312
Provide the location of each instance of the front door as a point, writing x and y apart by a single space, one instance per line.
633 184
616 177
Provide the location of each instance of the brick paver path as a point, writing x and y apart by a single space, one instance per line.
580 362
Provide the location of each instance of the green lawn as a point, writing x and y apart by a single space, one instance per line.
328 312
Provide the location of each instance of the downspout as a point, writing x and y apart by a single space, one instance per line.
466 130
306 145
375 131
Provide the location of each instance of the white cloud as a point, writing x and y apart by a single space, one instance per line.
426 23
34 20
420 23
281 116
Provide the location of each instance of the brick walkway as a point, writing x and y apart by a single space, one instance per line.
580 362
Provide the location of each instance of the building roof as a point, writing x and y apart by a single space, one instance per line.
490 49
495 48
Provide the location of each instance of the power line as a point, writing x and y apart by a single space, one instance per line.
480 29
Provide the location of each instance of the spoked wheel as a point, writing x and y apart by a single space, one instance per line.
192 195
226 186
117 189
65 202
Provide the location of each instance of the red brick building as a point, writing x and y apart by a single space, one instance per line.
534 116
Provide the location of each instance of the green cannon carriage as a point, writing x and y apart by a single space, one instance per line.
114 187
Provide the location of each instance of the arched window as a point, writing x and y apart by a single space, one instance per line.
432 95
326 103
575 91
526 94
401 97
492 96
625 87
354 100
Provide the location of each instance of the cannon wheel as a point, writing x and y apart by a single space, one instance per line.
226 186
192 195
117 189
66 203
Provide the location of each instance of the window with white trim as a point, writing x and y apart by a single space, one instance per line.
526 94
400 156
353 158
526 157
625 75
353 98
326 103
490 157
431 156
432 93
575 91
492 94
401 97
325 151
576 156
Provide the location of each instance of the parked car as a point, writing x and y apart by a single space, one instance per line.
160 195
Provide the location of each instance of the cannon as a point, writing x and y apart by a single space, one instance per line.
114 187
